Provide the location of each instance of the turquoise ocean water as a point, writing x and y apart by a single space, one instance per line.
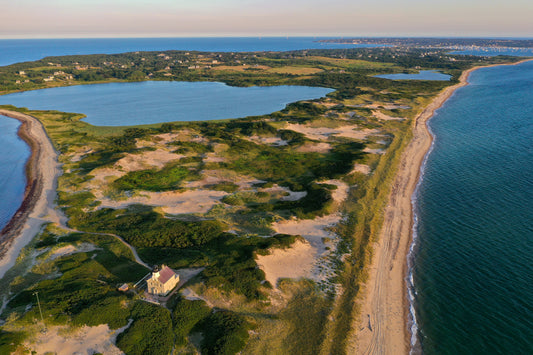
472 262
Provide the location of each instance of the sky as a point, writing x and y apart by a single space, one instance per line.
192 18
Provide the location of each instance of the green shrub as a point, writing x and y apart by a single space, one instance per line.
225 333
226 186
185 316
150 332
168 178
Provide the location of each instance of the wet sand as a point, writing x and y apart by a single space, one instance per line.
38 207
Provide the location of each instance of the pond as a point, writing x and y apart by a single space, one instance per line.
126 104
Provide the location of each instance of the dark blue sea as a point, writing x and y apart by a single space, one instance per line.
473 253
23 50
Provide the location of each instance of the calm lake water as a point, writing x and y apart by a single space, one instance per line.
22 50
120 104
13 155
473 258
422 75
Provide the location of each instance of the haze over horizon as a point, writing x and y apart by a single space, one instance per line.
203 18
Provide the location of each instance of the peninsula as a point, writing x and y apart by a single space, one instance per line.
288 231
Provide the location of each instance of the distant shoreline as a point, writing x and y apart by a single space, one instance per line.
382 327
37 206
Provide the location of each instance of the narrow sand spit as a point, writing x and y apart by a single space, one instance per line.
38 206
382 324
86 340
294 262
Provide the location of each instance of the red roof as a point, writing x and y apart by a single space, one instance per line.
165 274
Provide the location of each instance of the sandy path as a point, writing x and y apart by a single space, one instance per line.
382 325
38 206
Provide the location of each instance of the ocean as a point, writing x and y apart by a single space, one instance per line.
473 253
23 50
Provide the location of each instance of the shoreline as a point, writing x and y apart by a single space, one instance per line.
383 324
38 204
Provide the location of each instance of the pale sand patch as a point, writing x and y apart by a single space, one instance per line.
211 177
361 168
314 148
103 174
273 141
292 195
166 138
329 104
323 133
374 151
341 193
312 258
313 230
380 115
189 294
172 202
294 262
60 340
71 249
80 154
212 158
150 159
385 106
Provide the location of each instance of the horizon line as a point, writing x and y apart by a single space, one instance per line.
139 36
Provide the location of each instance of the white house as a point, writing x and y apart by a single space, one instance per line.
162 281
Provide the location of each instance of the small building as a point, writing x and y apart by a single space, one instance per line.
162 281
124 288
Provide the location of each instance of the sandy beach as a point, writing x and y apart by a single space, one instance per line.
383 321
38 207
382 327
